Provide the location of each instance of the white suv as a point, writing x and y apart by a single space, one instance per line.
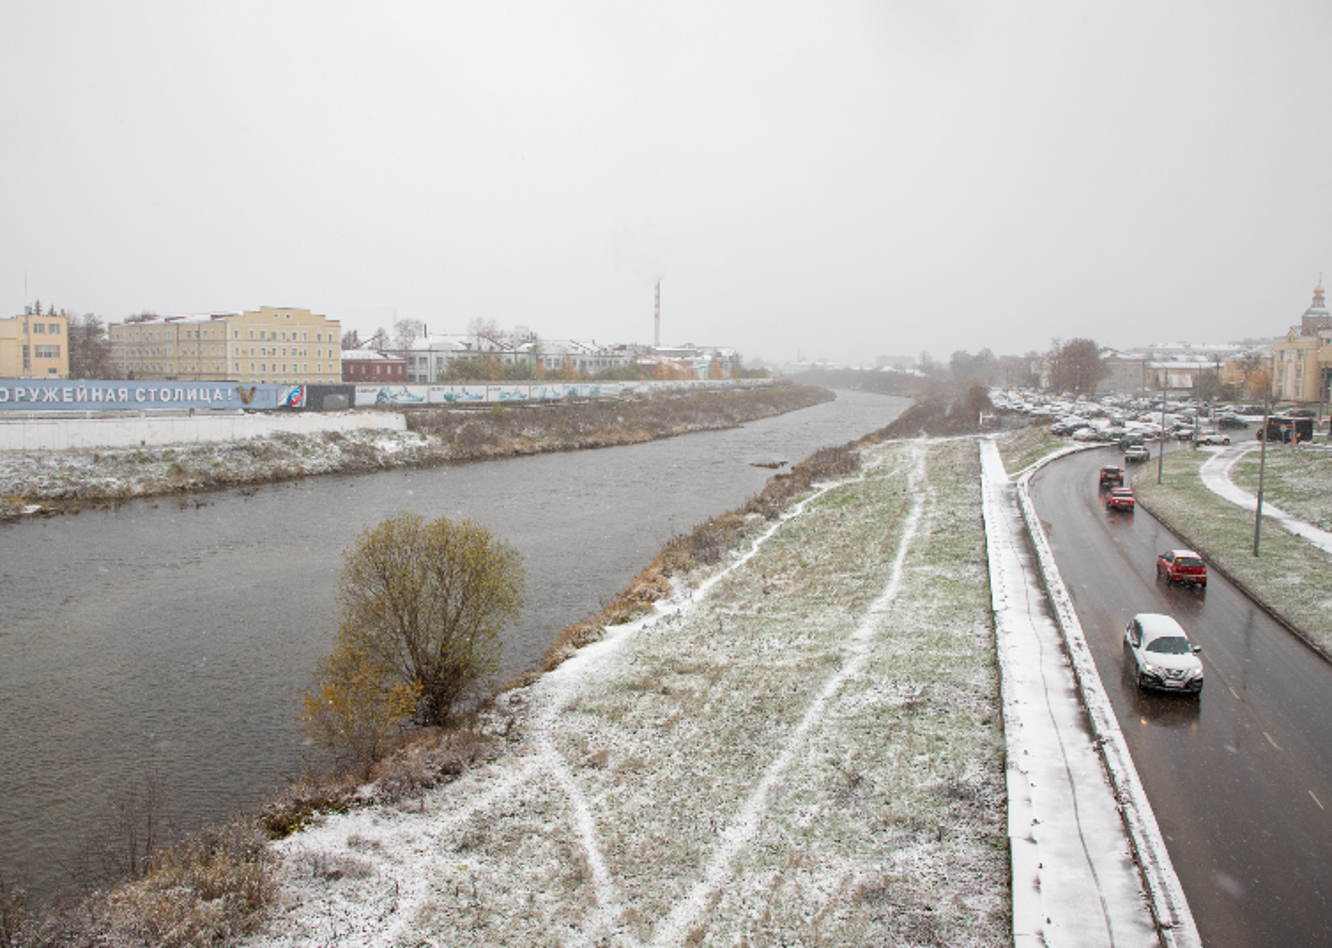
1162 655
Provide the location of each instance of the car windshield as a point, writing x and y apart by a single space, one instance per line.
1170 645
1188 561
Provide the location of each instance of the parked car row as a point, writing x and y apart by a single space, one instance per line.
1112 418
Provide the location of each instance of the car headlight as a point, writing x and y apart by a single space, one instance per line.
1149 667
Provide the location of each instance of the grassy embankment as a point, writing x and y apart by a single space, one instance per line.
68 480
1022 448
811 752
1291 578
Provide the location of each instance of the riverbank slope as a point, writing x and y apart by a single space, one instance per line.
52 482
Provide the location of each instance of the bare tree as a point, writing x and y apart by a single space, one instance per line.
89 348
1255 370
351 339
484 330
406 332
966 368
122 846
1076 366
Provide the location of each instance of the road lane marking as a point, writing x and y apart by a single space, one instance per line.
1270 741
1318 801
1232 691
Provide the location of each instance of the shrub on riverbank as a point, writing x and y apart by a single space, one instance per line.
213 886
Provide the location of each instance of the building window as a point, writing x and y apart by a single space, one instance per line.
48 352
39 327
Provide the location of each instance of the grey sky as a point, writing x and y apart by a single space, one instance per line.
833 180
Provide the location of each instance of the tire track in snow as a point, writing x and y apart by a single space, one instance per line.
742 830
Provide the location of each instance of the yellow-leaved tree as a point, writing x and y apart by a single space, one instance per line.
355 707
425 603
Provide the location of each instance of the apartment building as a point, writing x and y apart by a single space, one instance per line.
279 344
34 347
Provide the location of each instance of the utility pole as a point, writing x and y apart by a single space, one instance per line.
656 319
1160 453
1262 464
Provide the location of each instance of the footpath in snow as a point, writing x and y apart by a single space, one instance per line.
1215 474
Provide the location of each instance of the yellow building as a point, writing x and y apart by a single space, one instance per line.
278 344
1302 359
34 347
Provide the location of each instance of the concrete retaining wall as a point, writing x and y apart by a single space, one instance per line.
58 434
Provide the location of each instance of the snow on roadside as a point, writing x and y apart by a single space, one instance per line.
805 747
1082 847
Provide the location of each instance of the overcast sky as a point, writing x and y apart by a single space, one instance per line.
829 179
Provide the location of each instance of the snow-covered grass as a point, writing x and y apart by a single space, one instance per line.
803 747
1291 577
1020 448
1295 479
98 476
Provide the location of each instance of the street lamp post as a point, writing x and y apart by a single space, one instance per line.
1262 464
1160 450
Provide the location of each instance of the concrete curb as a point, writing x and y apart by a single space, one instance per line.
1163 891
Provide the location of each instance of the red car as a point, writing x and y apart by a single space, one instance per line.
1181 566
1119 498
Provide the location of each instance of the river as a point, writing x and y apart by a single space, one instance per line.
167 642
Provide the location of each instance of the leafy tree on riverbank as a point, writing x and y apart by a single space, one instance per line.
426 602
356 707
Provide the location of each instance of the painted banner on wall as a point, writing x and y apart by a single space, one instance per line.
93 395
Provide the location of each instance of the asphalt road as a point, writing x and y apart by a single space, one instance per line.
1240 778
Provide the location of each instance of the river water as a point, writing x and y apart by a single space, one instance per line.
168 642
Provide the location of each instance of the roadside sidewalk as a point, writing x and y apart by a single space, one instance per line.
1215 474
1082 849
